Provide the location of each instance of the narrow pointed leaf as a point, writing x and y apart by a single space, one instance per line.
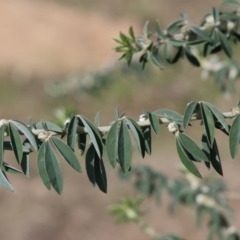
94 135
100 175
192 147
2 129
219 116
159 30
16 142
154 60
49 126
124 148
186 161
67 153
71 134
138 135
147 139
117 113
97 119
188 113
192 58
53 169
112 144
200 33
234 137
215 13
90 164
131 33
42 166
4 182
25 165
225 44
208 123
145 29
82 141
213 154
27 133
10 169
154 121
171 115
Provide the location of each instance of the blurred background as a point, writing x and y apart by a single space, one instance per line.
58 54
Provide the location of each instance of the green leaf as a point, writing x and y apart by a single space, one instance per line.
176 43
117 113
185 160
201 33
9 169
49 126
219 116
154 121
234 137
53 169
25 165
124 148
42 166
212 154
154 60
2 130
225 44
192 147
208 123
188 113
131 33
112 144
215 13
90 164
97 119
4 182
159 30
27 133
16 142
67 153
175 26
191 57
138 135
94 135
100 175
169 114
147 139
71 133
82 141
145 29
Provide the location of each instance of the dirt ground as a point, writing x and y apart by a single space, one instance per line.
41 40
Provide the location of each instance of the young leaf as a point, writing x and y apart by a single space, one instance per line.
112 144
225 44
82 141
215 13
159 30
192 147
67 153
124 147
138 135
27 133
16 143
131 33
90 164
234 137
2 130
145 29
212 153
94 135
48 126
188 113
219 116
154 121
25 165
208 123
53 169
71 133
185 160
100 175
97 119
42 166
